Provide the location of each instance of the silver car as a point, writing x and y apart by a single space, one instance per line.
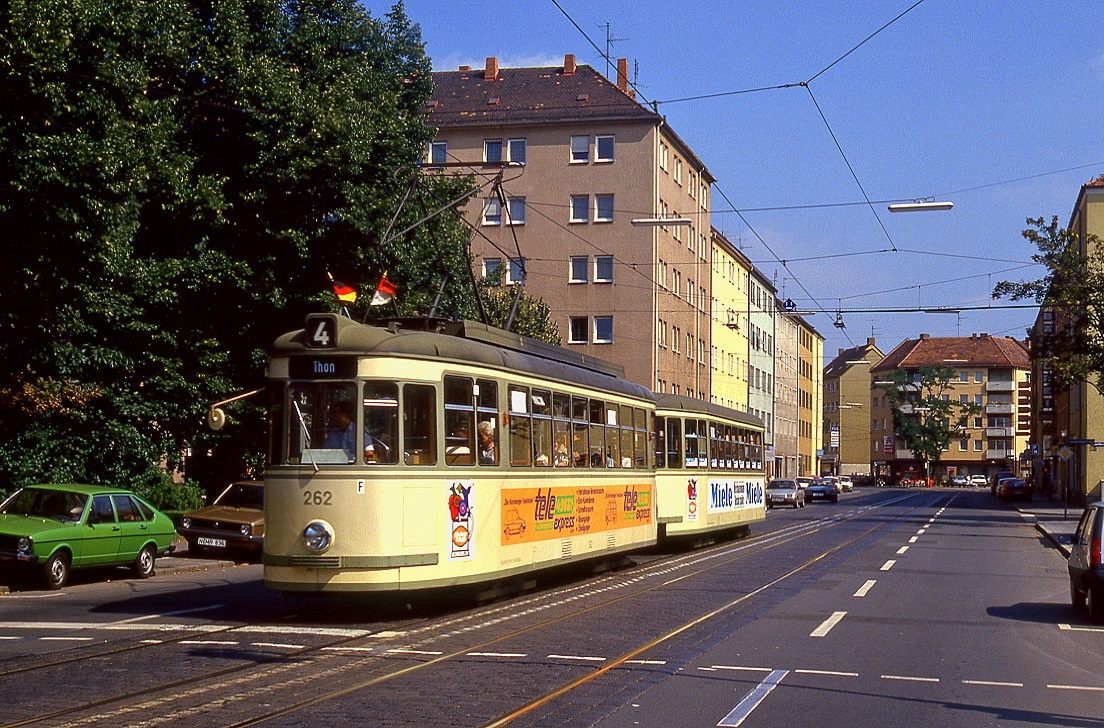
785 492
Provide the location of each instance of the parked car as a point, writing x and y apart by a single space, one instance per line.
978 480
1086 565
785 492
56 528
822 489
996 479
803 481
234 521
846 486
958 481
1010 489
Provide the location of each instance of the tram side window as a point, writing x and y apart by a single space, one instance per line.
419 424
487 415
520 435
691 443
561 430
743 448
674 442
640 438
580 448
626 436
459 421
716 445
322 423
597 435
275 422
542 428
660 425
613 436
381 422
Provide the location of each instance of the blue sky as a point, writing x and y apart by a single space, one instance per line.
982 103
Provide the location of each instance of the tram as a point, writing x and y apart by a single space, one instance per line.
709 468
441 454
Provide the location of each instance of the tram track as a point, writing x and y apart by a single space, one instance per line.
256 677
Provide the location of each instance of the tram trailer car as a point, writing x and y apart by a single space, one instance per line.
709 468
405 459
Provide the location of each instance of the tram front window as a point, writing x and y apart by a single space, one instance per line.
322 423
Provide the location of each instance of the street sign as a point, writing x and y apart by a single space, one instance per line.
1065 453
1079 441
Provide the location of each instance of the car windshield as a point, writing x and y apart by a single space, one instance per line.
56 504
781 485
242 495
821 482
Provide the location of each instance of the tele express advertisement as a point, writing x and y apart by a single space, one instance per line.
540 514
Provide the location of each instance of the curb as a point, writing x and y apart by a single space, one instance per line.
1053 538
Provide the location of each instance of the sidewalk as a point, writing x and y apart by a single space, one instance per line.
1053 520
180 560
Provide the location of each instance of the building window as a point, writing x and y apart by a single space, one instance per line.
577 331
603 269
663 156
977 422
491 266
603 148
964 376
580 149
979 376
580 208
963 445
977 445
603 329
578 269
492 211
977 399
515 210
603 208
516 272
678 170
515 150
438 153
492 150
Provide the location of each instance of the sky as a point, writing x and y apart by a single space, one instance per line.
995 106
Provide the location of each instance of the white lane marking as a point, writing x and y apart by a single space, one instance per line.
143 618
865 588
921 532
11 638
737 715
207 642
576 657
153 642
909 678
498 654
902 550
833 673
645 662
65 639
914 539
279 646
738 667
1091 688
317 631
1080 629
888 565
993 683
401 651
827 625
131 626
349 649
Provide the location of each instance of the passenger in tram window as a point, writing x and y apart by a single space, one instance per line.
341 434
488 453
561 457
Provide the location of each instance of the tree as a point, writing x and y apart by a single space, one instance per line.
179 179
531 315
1074 289
925 418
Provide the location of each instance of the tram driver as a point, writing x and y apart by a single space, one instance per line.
341 433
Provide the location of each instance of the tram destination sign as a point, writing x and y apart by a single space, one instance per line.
322 367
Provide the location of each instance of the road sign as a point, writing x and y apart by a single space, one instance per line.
1065 453
1079 441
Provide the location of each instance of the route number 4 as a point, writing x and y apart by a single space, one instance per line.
321 332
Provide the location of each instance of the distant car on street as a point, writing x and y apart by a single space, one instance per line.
53 529
803 481
785 492
1086 563
822 489
1010 489
233 522
959 481
996 479
978 480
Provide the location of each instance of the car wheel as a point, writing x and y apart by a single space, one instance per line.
1095 602
1077 599
835 499
56 571
144 563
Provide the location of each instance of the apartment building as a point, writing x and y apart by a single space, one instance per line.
990 371
1066 417
589 172
847 403
731 280
810 397
787 459
762 305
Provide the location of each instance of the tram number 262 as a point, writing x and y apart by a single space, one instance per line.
317 498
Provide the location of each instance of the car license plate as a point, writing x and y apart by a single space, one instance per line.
216 542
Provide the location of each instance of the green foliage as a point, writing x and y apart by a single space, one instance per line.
179 177
531 315
923 419
1074 289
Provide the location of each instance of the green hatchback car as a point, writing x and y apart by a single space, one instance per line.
57 528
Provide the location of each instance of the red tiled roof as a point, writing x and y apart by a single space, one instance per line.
465 98
958 351
1098 182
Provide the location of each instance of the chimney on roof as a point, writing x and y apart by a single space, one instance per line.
465 68
841 350
870 341
623 77
569 64
491 73
925 337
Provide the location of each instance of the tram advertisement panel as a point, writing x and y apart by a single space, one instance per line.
540 514
730 494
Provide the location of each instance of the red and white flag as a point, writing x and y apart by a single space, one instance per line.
385 291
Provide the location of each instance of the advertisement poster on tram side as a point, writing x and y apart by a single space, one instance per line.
461 521
732 494
691 499
540 514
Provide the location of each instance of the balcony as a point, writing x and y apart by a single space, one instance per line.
992 386
1000 408
991 454
999 432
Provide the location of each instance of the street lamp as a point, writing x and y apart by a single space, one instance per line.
921 206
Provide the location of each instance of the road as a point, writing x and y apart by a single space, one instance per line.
891 607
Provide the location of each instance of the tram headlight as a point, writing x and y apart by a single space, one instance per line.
318 536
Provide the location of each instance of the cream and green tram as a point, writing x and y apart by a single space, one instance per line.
709 467
405 459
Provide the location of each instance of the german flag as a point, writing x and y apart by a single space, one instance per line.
343 292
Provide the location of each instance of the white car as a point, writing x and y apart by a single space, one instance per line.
979 480
846 486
